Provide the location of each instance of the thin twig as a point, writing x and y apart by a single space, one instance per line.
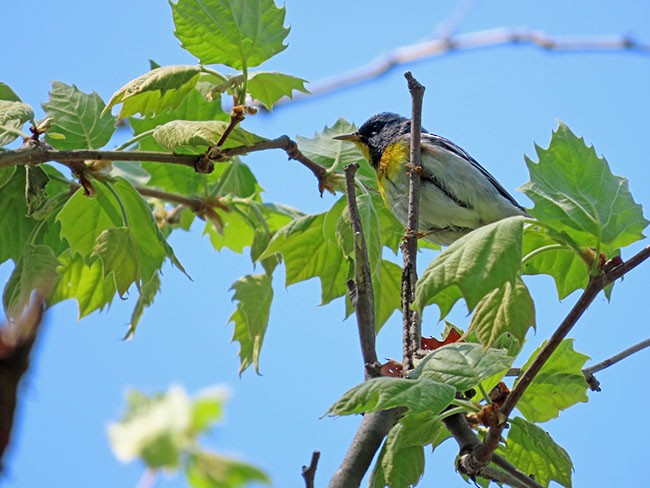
523 479
309 472
364 297
466 42
411 321
483 453
606 363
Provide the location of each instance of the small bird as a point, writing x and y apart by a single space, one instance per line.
457 194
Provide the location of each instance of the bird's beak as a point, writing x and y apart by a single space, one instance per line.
354 137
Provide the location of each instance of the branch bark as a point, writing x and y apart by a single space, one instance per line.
482 454
309 472
411 320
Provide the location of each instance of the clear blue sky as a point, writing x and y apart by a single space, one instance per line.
495 102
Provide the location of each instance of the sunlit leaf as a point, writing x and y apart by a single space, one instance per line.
268 87
462 365
534 452
472 266
211 470
13 115
78 117
383 393
14 221
575 192
254 295
237 33
118 252
509 308
197 135
155 91
559 384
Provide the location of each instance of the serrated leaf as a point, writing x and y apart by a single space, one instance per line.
211 470
558 385
574 191
35 270
237 33
6 93
118 252
78 117
472 266
236 180
384 393
254 295
13 115
237 233
85 283
534 452
462 365
543 255
197 136
147 293
509 308
268 87
335 155
14 221
156 91
308 253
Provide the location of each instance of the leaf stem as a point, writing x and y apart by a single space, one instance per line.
116 195
134 139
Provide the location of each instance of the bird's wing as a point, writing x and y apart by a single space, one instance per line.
446 144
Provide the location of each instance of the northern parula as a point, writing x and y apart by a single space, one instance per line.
457 194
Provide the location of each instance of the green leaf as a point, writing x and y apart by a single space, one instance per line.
509 308
237 33
118 252
335 155
154 429
207 409
544 255
268 87
197 136
254 295
211 470
35 270
462 365
575 192
85 283
13 116
559 384
147 293
6 93
155 91
388 288
14 221
238 232
384 393
309 251
194 106
401 468
534 452
35 194
237 180
472 266
78 117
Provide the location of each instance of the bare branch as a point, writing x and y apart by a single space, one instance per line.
466 42
411 320
364 297
309 472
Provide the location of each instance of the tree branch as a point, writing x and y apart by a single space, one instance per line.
309 472
411 320
374 427
363 297
482 454
33 153
16 342
442 45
